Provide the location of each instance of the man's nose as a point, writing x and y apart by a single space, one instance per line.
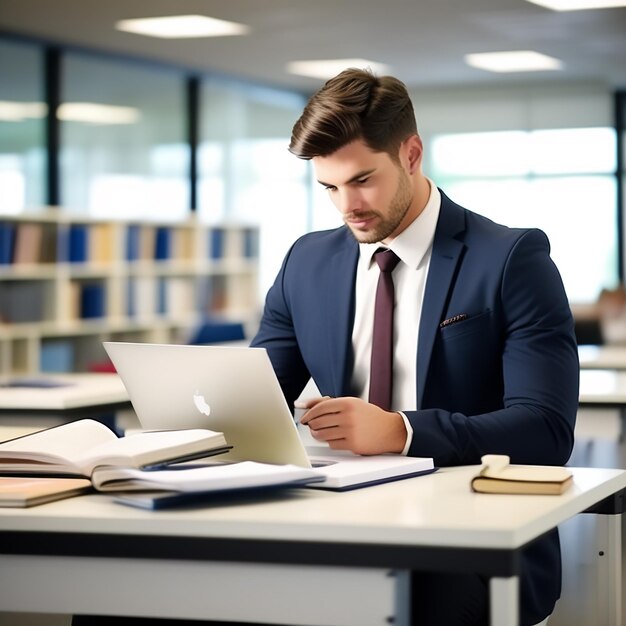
349 201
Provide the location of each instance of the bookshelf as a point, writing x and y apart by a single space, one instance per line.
68 283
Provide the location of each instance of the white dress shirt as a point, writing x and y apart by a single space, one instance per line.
413 246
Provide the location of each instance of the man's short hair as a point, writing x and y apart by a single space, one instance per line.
355 105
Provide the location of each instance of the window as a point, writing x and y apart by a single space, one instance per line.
245 171
560 180
22 128
124 149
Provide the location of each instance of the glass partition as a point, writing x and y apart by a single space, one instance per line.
22 128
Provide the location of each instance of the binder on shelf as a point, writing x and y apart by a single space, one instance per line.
50 244
147 243
131 297
133 242
100 249
216 243
74 295
22 301
28 243
92 301
162 243
7 240
250 243
213 295
161 296
183 244
78 243
56 355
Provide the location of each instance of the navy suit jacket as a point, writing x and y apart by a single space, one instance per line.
504 380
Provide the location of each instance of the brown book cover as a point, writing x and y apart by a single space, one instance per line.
23 492
28 242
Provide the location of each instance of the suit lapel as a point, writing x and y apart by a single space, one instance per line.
446 254
341 269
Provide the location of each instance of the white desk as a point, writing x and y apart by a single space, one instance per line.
75 391
602 357
99 396
603 388
312 557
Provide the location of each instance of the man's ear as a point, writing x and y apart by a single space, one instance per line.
412 151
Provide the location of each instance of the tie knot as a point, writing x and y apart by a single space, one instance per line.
386 259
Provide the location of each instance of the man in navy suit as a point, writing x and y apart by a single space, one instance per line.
484 355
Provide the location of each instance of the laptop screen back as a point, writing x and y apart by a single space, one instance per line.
229 389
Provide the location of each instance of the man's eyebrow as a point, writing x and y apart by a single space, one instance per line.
358 175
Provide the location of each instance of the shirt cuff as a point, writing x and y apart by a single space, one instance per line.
409 434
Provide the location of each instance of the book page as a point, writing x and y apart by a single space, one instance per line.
150 447
199 479
542 473
68 441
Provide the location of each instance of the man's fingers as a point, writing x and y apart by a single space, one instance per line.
308 403
318 408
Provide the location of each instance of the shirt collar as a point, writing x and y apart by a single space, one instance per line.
412 244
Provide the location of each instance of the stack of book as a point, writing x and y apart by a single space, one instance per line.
86 455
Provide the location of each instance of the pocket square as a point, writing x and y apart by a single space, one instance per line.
453 320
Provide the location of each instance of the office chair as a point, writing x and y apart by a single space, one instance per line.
217 331
588 332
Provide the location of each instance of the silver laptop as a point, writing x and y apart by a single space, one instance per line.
229 389
235 390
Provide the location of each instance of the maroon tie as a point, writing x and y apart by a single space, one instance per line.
381 368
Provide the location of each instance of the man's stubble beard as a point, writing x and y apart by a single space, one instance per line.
398 208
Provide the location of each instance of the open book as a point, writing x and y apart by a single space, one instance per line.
181 484
497 476
77 448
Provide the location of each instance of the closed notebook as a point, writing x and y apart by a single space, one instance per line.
498 476
23 492
188 484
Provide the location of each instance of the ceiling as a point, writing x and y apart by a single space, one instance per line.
422 41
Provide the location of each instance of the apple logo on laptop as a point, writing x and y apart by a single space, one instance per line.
201 404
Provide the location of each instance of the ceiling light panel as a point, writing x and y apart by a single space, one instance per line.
12 111
578 5
94 113
328 68
182 27
513 61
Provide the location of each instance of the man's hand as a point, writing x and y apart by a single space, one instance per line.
353 424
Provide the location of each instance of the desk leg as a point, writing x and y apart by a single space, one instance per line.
504 601
609 550
402 616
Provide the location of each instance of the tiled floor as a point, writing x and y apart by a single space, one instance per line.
597 445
